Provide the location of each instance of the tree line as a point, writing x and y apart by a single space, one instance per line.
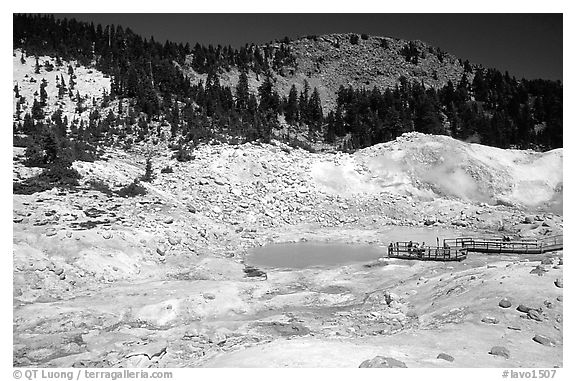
485 105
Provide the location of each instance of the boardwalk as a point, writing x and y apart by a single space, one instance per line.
456 249
408 250
500 245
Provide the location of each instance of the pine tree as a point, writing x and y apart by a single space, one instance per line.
315 110
330 128
269 100
37 111
43 93
291 111
242 91
79 103
303 103
37 67
149 172
62 90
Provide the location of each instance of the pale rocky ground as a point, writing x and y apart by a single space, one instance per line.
159 280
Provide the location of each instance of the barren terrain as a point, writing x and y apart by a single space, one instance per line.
160 279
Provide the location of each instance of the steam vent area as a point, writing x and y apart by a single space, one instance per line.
268 255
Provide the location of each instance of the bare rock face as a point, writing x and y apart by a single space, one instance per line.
500 351
382 362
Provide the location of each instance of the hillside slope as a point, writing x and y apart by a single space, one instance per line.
330 61
430 166
91 84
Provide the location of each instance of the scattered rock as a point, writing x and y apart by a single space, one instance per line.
218 338
161 250
169 220
149 350
445 356
209 296
534 315
174 241
539 270
505 303
523 308
382 362
51 233
544 340
252 272
500 351
58 271
490 320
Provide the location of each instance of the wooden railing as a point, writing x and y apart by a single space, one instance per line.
456 249
409 250
501 245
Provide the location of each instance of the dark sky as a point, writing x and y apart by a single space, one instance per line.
527 45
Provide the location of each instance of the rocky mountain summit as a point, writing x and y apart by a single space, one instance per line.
360 61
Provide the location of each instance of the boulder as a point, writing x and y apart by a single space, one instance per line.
523 308
150 350
538 270
534 315
382 362
500 351
174 240
544 340
445 356
209 296
505 303
559 283
490 320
